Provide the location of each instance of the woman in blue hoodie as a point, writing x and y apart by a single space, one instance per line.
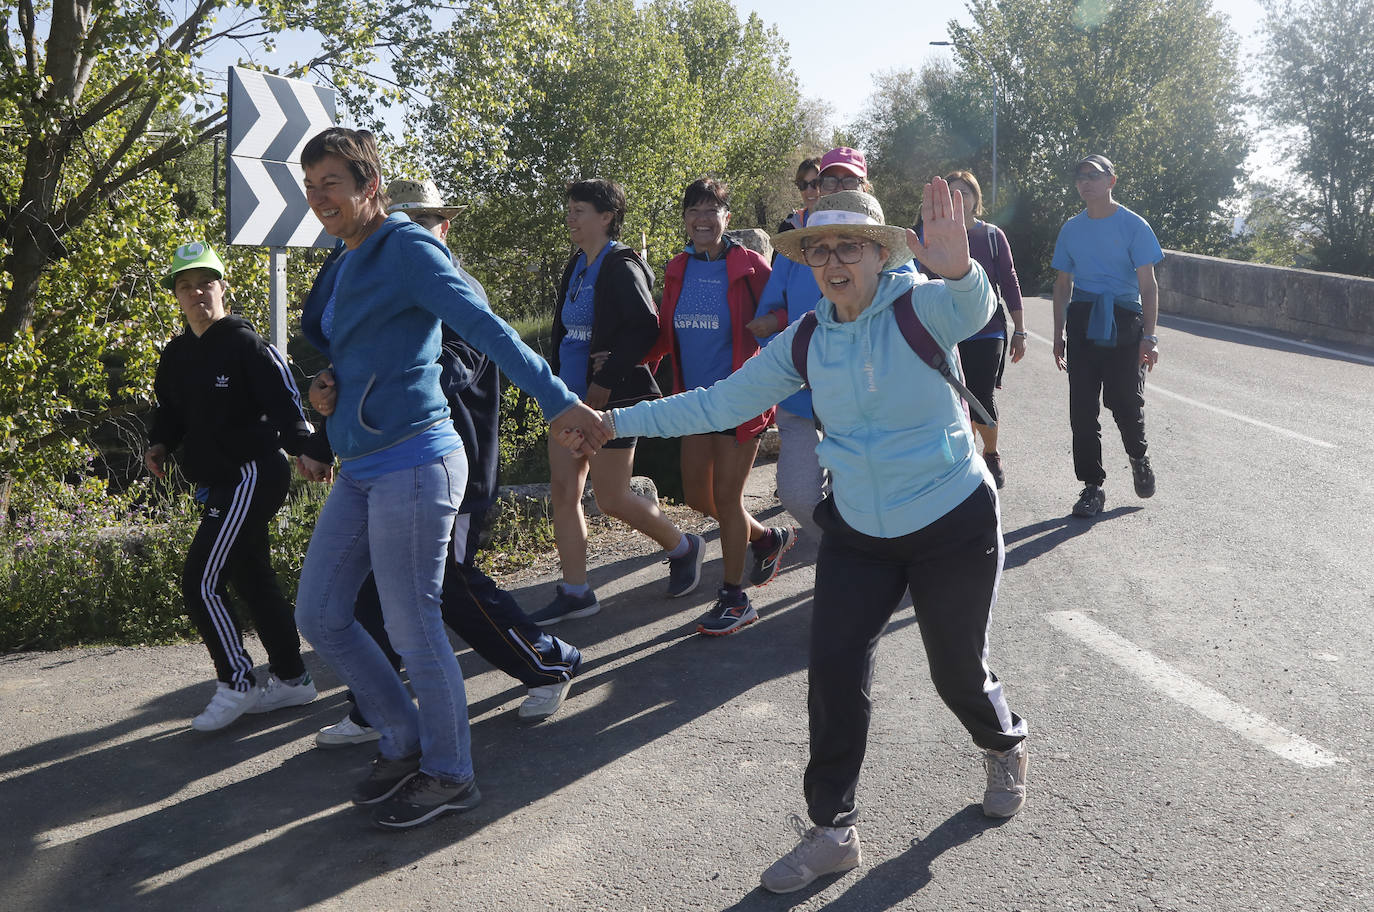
910 507
375 310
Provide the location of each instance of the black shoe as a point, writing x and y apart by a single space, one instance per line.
767 562
731 612
1090 502
385 778
1144 477
994 461
565 607
685 572
424 798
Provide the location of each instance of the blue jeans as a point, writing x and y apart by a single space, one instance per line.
397 527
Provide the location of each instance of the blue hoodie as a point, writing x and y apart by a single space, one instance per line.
391 293
897 440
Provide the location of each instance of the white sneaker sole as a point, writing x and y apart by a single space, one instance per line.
535 709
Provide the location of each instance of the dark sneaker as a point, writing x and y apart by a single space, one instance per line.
565 607
424 798
1090 502
1006 790
1144 477
385 778
768 562
732 611
685 572
818 854
994 461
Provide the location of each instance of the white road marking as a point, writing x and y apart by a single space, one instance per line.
1156 388
1192 693
1310 346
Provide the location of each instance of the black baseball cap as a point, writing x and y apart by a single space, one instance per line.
1097 163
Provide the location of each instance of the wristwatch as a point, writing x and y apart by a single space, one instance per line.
1154 339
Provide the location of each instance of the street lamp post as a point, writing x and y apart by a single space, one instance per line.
994 112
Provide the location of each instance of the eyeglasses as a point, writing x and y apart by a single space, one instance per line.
830 183
848 253
813 184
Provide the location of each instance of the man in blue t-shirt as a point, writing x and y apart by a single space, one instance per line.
1106 297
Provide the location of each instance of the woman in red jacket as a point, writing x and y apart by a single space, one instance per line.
710 291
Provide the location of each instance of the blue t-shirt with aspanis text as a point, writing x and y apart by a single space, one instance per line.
578 311
1104 254
701 321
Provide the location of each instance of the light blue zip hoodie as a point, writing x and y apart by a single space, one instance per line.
391 294
897 440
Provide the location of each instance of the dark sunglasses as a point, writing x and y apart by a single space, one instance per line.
814 184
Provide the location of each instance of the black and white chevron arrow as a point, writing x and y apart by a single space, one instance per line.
270 120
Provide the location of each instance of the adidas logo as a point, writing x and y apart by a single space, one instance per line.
213 513
221 382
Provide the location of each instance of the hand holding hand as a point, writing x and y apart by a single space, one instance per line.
314 470
324 394
155 459
580 429
944 249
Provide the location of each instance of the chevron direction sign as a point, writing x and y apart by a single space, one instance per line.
270 120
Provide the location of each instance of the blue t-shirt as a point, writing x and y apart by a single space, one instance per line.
1104 254
576 348
701 322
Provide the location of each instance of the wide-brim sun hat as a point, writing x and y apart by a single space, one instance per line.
418 198
195 255
851 213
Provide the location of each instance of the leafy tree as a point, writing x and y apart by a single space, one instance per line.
1319 83
1152 85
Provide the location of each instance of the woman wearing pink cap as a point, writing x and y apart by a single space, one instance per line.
791 292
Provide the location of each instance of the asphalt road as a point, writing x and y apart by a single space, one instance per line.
1193 668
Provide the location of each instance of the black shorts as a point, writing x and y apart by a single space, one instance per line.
980 359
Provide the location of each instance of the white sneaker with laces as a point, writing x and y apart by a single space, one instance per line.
1006 791
277 694
225 706
822 850
345 732
542 702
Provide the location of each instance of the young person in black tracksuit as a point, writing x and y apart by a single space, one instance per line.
228 399
484 615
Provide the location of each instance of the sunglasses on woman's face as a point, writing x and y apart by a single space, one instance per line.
830 183
813 184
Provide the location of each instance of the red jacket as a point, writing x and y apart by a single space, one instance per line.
746 273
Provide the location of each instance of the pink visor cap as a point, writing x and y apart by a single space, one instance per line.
846 159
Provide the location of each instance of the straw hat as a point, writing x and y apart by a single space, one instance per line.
417 197
851 213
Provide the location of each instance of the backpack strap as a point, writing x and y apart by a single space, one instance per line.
801 343
929 351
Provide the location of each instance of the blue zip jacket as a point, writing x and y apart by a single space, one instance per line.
897 441
791 292
391 293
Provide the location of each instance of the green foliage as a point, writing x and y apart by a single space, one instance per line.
1273 230
84 566
1319 87
1153 86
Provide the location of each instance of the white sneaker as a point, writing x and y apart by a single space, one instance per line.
345 732
225 706
822 851
542 702
277 694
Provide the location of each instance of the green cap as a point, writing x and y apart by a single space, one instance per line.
195 255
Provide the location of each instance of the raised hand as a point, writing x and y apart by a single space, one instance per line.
944 249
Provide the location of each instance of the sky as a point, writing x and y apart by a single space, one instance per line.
837 64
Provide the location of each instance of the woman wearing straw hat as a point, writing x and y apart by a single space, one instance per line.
228 400
375 310
910 509
484 615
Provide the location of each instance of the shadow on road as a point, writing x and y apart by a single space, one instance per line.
1043 537
890 883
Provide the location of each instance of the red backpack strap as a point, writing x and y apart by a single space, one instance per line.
801 343
929 351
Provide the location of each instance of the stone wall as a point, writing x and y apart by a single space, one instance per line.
1315 305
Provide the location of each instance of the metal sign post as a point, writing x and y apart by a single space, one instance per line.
278 298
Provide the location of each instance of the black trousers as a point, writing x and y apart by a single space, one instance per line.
231 545
1116 376
484 615
951 568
